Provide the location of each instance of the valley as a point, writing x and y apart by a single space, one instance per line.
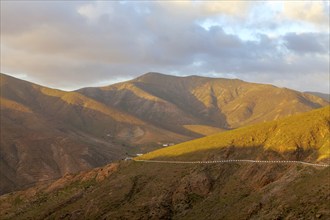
209 178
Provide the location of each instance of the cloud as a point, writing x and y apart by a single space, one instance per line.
22 16
74 44
316 12
314 82
235 8
307 42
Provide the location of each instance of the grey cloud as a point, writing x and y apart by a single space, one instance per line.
20 16
307 42
55 45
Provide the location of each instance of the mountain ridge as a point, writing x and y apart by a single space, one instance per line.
87 128
325 96
47 133
223 103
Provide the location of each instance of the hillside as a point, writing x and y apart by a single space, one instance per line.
81 112
46 133
321 95
174 102
138 190
302 133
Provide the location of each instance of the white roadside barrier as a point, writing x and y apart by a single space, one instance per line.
234 161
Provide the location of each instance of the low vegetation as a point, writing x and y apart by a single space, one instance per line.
167 191
204 129
306 131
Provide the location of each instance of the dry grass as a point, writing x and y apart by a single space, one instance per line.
203 129
307 130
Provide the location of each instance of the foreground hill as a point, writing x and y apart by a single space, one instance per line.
179 103
138 190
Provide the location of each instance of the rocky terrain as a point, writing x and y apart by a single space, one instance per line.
138 190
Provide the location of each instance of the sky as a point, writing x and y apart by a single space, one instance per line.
74 44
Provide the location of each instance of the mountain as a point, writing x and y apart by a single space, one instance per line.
321 95
180 103
47 133
138 190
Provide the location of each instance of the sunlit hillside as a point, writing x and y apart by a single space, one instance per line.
306 131
204 129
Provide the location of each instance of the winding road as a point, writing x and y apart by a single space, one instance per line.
236 161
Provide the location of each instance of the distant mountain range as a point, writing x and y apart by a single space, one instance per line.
139 190
321 95
175 102
47 133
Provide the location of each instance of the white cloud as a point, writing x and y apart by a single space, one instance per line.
235 8
316 12
93 11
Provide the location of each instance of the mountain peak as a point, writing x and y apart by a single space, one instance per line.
148 74
153 75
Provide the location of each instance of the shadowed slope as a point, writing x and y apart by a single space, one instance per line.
46 133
